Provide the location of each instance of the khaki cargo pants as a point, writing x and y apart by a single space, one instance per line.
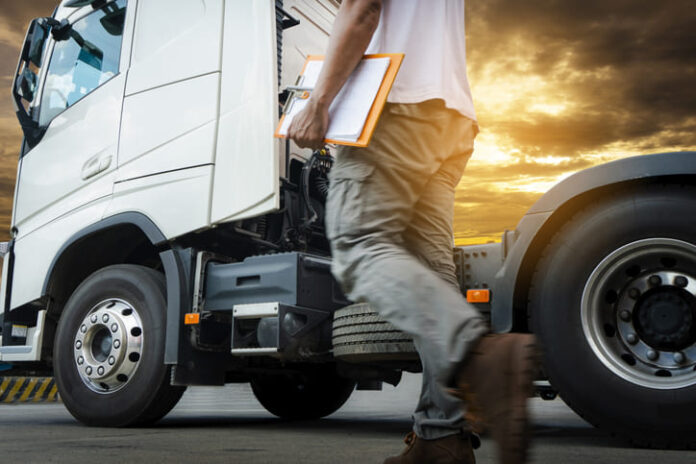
389 219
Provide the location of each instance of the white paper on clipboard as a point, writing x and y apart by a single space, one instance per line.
351 107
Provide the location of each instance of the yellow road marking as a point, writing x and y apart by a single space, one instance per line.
28 389
19 381
44 385
4 385
52 395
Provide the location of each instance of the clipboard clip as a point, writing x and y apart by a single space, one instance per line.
295 92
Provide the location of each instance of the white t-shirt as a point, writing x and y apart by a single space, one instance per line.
431 34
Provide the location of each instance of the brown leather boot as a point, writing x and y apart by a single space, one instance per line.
494 383
453 449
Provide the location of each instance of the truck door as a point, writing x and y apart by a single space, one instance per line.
80 107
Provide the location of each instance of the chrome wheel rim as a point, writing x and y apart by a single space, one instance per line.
638 313
108 346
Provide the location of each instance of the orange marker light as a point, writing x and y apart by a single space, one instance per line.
478 296
192 318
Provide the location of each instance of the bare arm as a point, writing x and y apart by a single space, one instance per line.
353 29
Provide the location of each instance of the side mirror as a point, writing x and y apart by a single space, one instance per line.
25 81
26 84
35 41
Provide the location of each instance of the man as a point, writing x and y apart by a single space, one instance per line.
389 219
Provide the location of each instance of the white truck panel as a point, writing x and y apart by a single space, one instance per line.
195 148
174 40
164 128
247 163
35 252
175 201
51 181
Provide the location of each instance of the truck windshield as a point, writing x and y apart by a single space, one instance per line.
87 59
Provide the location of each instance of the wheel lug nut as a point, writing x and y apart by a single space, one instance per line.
100 370
625 315
114 327
88 370
117 344
681 281
83 329
93 318
78 344
80 360
634 293
112 361
655 280
652 355
632 338
105 318
679 357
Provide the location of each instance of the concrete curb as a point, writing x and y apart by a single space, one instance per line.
28 390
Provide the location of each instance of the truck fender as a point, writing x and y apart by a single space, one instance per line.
175 264
524 246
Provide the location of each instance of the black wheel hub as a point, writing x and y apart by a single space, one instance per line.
664 319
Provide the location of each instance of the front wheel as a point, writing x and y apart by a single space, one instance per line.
308 394
614 303
109 349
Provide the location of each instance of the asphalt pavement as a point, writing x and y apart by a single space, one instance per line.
227 425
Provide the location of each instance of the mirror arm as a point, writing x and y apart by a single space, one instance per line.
30 128
60 30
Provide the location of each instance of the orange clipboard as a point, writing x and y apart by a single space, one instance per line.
377 105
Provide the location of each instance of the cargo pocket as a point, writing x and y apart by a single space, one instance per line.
348 199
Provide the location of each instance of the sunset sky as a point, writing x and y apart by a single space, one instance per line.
559 86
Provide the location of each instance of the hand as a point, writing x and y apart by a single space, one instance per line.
308 127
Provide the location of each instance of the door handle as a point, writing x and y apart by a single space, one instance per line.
95 165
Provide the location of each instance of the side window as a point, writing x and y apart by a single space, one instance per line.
88 58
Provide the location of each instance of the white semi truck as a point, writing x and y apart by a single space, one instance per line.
161 237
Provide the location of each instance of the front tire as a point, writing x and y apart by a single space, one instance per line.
109 349
613 301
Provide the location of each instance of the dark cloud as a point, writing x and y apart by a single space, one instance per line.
628 66
484 213
16 14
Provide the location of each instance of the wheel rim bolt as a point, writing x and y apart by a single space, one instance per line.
679 357
88 371
105 318
652 355
117 344
100 370
93 318
632 338
681 281
112 361
655 280
625 315
80 360
114 327
83 329
634 293
78 344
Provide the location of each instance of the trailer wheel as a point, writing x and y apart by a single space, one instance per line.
310 394
613 300
109 349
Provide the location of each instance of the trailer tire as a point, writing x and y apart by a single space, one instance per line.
311 393
109 349
610 304
360 335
